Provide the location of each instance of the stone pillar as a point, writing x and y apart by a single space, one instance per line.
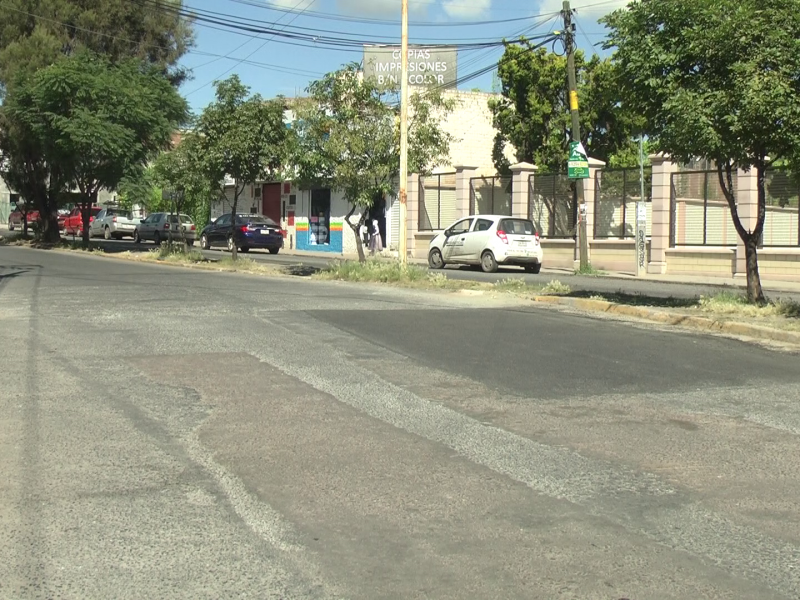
412 212
522 174
463 175
663 168
589 191
747 206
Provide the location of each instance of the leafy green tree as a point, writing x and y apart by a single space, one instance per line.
181 174
533 113
34 34
94 121
719 81
347 136
241 137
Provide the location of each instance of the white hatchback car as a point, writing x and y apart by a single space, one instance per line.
488 241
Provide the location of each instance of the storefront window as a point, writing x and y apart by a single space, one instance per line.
320 217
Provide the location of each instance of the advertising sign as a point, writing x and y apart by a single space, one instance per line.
427 65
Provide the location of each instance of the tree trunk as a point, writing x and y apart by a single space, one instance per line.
234 252
357 232
184 244
755 295
25 221
750 239
85 214
49 229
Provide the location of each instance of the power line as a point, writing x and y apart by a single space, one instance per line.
374 21
320 37
270 67
261 47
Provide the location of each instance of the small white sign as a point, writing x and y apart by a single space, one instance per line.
642 211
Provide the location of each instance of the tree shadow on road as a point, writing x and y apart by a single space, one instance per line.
637 299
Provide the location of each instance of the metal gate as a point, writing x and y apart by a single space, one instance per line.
553 205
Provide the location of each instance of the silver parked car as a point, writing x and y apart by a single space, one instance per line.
158 227
113 223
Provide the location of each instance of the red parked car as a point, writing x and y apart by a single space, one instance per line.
73 224
17 218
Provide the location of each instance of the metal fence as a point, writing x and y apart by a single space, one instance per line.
553 206
699 212
617 192
437 201
490 196
782 219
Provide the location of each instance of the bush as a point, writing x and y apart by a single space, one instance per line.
556 288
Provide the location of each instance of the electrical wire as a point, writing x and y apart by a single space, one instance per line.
374 21
261 47
267 66
319 37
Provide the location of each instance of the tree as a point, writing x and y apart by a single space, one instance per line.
533 113
347 136
181 174
719 81
34 34
242 138
94 121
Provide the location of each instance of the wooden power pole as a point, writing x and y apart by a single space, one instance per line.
569 41
402 243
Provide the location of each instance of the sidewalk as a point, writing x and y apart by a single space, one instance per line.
733 282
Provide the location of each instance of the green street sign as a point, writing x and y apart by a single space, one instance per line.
578 164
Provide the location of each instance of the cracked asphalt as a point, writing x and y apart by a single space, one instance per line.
167 433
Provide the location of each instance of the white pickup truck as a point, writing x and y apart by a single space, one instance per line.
113 223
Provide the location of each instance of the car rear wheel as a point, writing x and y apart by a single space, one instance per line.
107 233
136 238
533 268
231 244
488 262
157 238
244 249
274 250
435 259
190 243
10 226
204 242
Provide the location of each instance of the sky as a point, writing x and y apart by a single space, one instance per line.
272 65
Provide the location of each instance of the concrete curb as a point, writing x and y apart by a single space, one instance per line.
670 318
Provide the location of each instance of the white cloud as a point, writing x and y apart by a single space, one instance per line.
467 9
295 4
381 8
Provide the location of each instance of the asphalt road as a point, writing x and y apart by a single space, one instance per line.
587 284
167 433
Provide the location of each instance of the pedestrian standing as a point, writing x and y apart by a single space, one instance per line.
375 241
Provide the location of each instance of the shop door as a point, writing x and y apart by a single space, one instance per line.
271 201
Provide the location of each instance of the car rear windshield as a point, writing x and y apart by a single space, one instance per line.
184 219
117 212
96 210
255 220
517 226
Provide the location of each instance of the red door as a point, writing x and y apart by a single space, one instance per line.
271 201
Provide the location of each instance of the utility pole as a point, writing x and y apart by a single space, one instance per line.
402 242
569 42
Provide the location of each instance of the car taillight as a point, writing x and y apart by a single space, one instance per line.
166 225
192 228
502 235
114 219
243 228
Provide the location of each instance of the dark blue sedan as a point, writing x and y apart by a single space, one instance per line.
243 232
